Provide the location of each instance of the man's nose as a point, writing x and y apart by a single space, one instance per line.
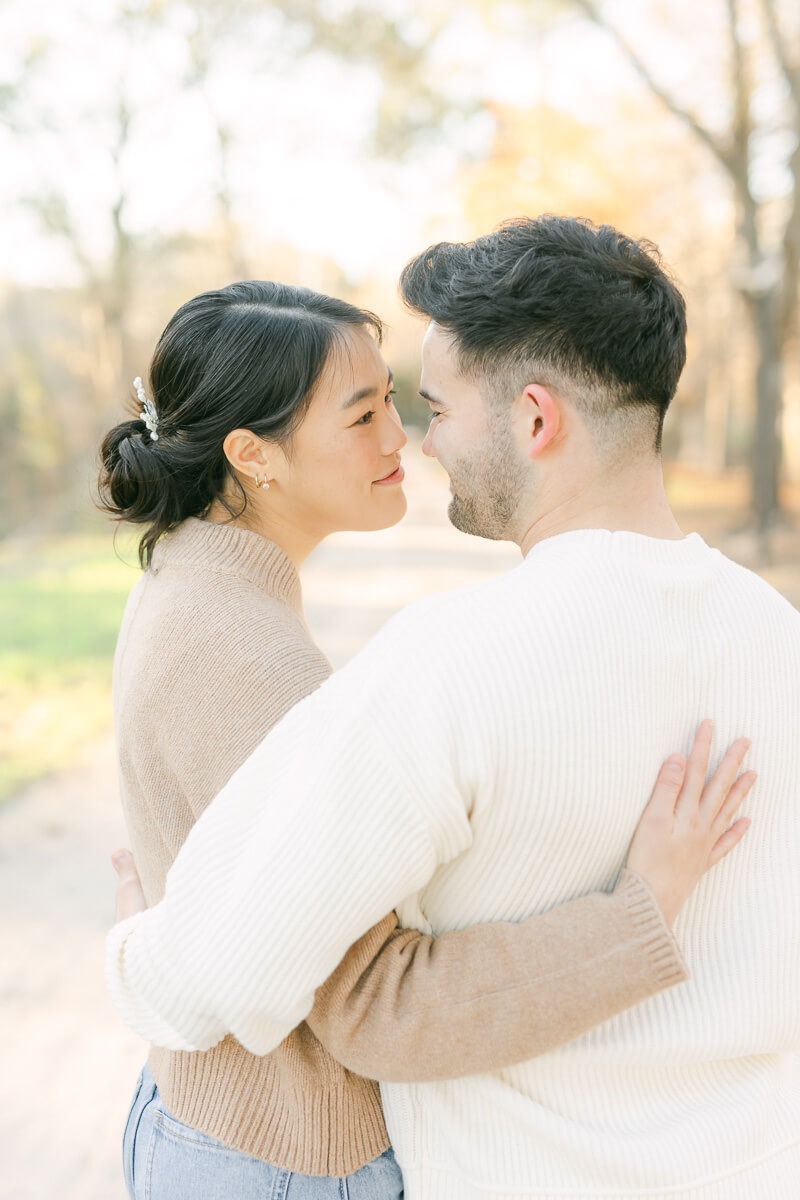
427 445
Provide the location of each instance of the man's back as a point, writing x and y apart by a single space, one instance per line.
487 755
592 660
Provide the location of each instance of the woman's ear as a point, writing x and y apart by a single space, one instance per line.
542 413
247 453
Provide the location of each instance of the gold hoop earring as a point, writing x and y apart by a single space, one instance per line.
262 482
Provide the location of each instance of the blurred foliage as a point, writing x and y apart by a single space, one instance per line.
649 166
60 606
701 158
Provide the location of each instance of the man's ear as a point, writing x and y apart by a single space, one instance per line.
247 453
541 414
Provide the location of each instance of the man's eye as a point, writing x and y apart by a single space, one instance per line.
434 414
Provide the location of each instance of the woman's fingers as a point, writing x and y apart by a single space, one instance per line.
684 830
718 788
124 864
728 840
681 786
130 895
668 786
733 802
696 768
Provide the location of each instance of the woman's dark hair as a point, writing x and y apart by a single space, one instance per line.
245 357
583 300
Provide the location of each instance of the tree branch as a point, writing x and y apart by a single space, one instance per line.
791 255
56 220
741 129
713 143
791 71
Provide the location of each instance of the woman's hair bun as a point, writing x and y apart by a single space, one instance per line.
136 484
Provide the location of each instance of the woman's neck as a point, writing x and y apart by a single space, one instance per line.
295 542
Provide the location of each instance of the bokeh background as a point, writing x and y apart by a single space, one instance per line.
151 150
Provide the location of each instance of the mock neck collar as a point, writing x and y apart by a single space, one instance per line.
234 551
623 543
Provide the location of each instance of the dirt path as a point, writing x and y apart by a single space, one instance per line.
69 1065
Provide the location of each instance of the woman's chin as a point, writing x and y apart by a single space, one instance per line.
388 513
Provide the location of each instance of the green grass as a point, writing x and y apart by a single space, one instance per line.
60 606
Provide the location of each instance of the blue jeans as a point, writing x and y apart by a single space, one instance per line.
163 1159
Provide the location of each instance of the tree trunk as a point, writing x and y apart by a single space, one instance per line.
766 454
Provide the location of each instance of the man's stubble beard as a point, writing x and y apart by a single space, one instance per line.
488 485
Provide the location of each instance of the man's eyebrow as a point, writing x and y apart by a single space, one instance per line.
363 393
431 399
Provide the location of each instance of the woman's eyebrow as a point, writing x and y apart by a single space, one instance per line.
363 393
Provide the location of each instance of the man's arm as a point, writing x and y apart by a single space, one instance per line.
310 843
404 1006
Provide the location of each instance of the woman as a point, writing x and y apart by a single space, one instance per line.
269 425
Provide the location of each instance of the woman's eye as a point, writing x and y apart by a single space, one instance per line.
390 396
367 417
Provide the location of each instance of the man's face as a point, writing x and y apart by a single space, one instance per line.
474 443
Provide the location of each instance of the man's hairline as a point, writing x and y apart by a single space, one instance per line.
556 381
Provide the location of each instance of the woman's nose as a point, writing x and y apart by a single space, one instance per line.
395 437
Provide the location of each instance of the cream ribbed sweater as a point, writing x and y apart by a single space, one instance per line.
213 651
483 759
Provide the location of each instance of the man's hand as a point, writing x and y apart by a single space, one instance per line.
130 897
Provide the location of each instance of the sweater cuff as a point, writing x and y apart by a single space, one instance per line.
133 1011
668 964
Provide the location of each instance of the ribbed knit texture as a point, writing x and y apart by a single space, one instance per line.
213 650
483 759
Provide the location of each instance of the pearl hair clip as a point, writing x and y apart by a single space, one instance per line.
148 413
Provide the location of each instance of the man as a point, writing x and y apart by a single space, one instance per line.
453 767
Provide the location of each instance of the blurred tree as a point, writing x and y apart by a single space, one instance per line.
747 132
104 355
424 88
212 26
761 37
415 104
542 158
74 364
768 276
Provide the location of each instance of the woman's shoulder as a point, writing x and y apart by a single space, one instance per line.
197 603
205 671
193 628
196 688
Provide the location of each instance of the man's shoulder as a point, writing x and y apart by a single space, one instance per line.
759 591
450 611
429 648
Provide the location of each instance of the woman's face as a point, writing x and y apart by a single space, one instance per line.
342 469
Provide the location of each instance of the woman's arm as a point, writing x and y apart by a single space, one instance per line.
404 1006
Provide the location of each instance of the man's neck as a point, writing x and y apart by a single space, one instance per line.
636 503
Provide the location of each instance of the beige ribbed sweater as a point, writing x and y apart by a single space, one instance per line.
212 652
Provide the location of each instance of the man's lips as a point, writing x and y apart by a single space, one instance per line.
395 476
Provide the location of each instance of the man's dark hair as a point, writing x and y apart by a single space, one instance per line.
580 305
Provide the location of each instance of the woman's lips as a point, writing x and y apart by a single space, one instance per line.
396 477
